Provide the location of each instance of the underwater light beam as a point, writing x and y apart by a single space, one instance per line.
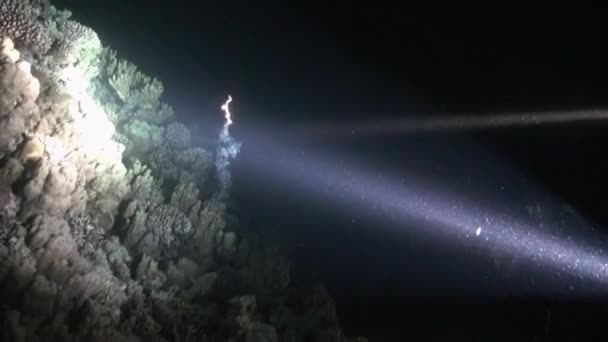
451 217
447 123
227 149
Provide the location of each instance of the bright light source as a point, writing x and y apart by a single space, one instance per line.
226 109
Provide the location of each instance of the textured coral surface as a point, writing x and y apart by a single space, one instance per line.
111 227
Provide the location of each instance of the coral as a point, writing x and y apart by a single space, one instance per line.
198 164
53 189
8 50
159 233
195 159
18 21
143 137
48 257
161 115
19 89
53 19
167 226
182 272
210 229
77 51
135 229
32 150
144 189
8 205
105 190
148 274
11 171
138 95
74 38
118 258
183 167
178 135
166 217
125 79
161 161
185 197
111 228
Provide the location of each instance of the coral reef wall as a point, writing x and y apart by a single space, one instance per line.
111 228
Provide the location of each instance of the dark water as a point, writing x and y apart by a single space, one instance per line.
392 280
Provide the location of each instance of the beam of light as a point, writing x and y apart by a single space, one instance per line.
451 216
449 123
227 149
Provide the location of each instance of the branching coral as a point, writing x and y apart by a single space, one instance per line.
166 218
126 79
138 94
210 239
144 189
200 165
74 38
158 233
193 165
185 197
161 161
143 137
18 21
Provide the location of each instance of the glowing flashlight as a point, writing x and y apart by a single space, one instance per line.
226 110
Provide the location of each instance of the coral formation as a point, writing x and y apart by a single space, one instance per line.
112 227
178 135
19 21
